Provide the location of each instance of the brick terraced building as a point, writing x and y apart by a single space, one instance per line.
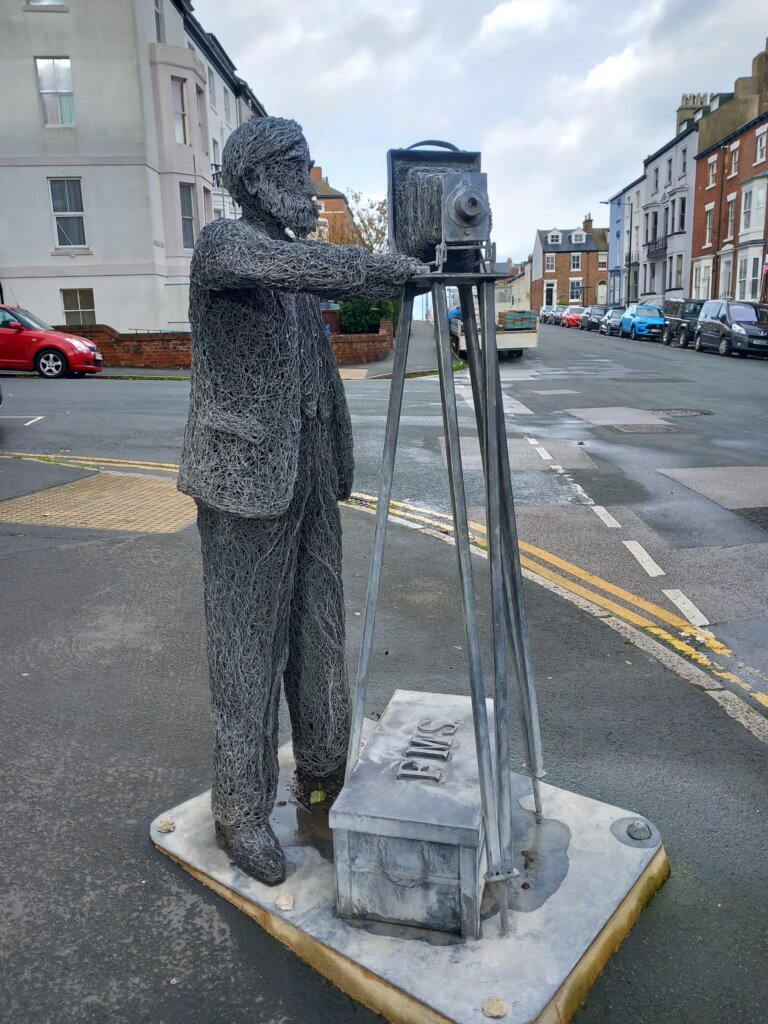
570 265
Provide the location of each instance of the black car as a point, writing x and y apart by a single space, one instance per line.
556 315
740 327
591 317
611 321
680 319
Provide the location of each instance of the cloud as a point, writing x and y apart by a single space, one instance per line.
519 15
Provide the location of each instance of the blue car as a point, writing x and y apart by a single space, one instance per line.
644 322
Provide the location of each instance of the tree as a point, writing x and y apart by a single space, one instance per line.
367 226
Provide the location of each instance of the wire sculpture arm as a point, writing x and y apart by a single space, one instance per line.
233 255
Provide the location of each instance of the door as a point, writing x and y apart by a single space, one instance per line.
602 294
13 343
710 325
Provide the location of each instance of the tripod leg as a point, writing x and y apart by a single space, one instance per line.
458 501
516 625
493 515
382 511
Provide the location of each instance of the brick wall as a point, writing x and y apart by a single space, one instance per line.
161 350
591 275
363 348
170 350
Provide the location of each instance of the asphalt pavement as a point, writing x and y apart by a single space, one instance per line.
105 710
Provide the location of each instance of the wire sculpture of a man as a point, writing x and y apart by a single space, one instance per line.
267 456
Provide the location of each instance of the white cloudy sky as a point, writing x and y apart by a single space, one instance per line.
564 98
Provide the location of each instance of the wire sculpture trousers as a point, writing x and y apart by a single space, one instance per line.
274 606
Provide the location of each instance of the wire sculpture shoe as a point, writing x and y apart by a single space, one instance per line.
255 849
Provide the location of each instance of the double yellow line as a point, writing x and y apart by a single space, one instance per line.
699 645
664 625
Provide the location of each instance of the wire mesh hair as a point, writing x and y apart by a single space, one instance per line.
255 142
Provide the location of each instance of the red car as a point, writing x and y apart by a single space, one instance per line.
572 316
28 343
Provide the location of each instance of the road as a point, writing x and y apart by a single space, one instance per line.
105 711
644 466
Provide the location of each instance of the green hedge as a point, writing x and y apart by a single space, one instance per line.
361 316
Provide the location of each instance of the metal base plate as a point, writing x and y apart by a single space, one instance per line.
582 885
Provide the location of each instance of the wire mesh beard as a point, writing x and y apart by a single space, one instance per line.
290 210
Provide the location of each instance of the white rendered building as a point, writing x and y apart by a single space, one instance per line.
113 119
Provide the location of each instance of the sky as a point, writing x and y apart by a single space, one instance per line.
563 98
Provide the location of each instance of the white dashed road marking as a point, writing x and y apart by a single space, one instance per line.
687 607
643 558
544 453
606 517
531 440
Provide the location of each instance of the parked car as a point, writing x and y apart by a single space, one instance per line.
642 322
609 324
740 327
591 317
556 314
28 343
571 316
680 319
544 313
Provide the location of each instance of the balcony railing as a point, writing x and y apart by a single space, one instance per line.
216 175
633 258
656 247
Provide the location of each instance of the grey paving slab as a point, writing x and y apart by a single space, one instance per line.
729 486
613 415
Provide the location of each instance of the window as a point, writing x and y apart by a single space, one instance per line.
227 108
731 217
215 151
574 291
669 170
578 237
683 162
725 279
754 278
159 21
672 225
759 211
712 171
741 284
217 214
760 144
555 238
187 216
78 306
646 227
665 229
654 225
180 115
549 263
54 78
575 261
681 222
656 179
652 278
200 95
679 271
734 160
708 227
746 211
697 282
602 261
212 88
67 203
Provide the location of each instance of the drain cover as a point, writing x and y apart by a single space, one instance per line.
645 428
758 516
681 412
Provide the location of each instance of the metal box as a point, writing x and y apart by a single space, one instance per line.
407 826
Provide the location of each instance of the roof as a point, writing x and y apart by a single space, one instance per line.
671 143
600 238
566 245
326 191
626 188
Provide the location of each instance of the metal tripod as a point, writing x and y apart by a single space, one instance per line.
508 619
